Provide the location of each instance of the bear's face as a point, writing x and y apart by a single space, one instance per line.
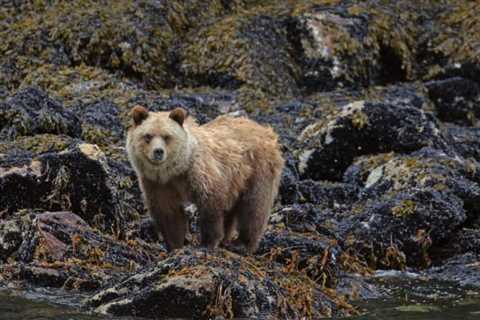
157 143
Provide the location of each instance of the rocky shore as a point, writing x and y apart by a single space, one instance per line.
376 104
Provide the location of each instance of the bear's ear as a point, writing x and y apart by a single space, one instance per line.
139 114
178 115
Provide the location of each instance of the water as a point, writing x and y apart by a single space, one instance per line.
392 310
33 306
37 305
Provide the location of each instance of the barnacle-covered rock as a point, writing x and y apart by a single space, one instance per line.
59 249
461 269
196 284
364 127
101 123
31 112
77 179
465 140
413 203
456 100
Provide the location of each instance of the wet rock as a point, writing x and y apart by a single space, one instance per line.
45 277
101 123
288 120
456 100
403 228
288 190
31 111
427 168
465 240
60 249
358 172
316 219
203 107
10 237
465 140
76 179
357 288
328 194
316 255
364 127
462 270
248 52
414 203
193 284
144 230
315 34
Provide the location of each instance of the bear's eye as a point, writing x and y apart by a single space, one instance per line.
167 138
147 138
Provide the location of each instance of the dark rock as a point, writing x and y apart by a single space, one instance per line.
465 140
45 277
456 100
195 284
328 194
317 219
251 53
414 203
288 190
60 249
10 237
465 240
315 255
462 270
101 123
358 172
146 231
203 107
357 288
77 179
408 225
31 111
323 66
360 128
301 218
427 168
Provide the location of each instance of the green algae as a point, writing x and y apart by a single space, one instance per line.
404 209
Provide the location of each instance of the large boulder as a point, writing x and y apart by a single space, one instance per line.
364 127
77 179
59 249
412 204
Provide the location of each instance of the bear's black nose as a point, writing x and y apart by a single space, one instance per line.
158 154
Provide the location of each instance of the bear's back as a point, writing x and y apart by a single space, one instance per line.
242 129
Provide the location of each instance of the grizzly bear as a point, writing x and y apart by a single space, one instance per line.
230 168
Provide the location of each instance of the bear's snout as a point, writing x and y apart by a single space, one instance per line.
158 154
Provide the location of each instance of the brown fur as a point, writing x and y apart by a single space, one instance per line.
230 168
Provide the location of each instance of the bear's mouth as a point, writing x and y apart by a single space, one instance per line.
154 162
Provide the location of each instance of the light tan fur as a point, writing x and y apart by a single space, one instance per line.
230 168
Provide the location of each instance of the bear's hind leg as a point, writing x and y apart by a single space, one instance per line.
211 230
253 213
229 227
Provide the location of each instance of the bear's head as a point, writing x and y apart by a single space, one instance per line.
159 145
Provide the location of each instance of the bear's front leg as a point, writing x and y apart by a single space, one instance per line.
211 229
172 224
